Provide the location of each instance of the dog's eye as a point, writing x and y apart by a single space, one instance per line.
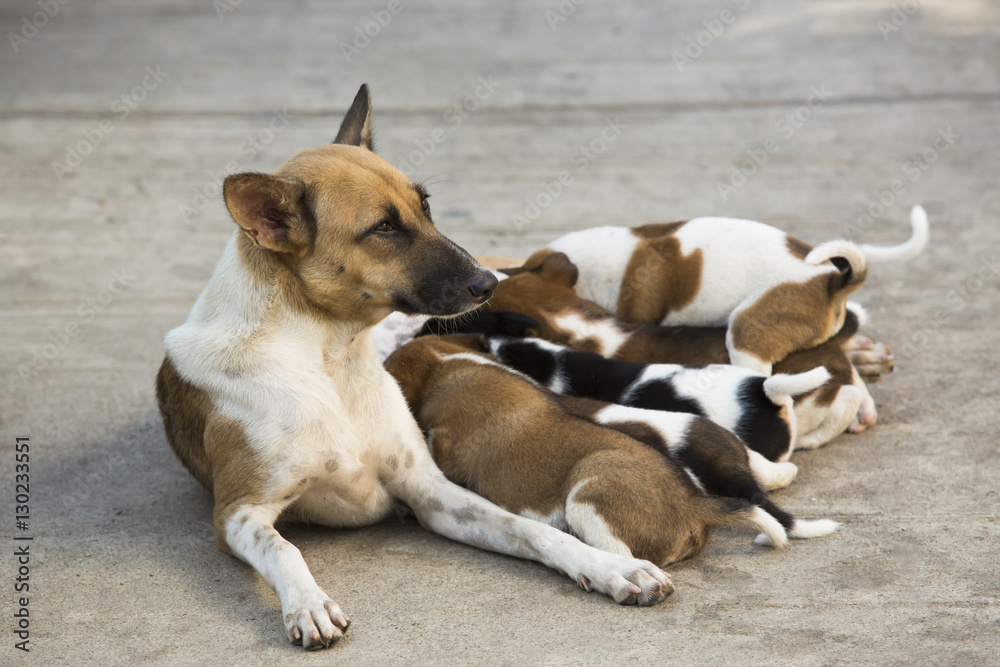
384 227
426 206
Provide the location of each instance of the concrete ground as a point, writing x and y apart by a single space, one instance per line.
826 118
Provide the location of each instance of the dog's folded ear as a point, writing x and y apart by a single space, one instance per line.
530 264
557 268
356 128
270 210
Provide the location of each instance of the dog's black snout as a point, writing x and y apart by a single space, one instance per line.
482 288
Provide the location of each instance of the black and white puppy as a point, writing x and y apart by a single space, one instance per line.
757 408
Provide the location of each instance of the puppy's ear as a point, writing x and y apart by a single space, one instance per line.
556 268
356 128
530 264
270 210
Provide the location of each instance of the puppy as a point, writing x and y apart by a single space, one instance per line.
496 432
715 459
774 294
273 397
545 293
757 408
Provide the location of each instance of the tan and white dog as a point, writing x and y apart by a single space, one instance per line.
775 294
273 397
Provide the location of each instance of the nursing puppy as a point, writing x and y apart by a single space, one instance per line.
546 294
757 408
497 433
773 293
273 397
715 459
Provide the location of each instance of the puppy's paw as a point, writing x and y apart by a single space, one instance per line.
866 417
862 422
873 360
315 621
628 580
782 474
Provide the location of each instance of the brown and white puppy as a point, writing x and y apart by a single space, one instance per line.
546 293
774 294
273 397
499 434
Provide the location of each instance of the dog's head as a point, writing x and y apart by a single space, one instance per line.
347 235
542 289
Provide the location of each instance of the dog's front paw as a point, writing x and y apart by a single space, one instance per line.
873 360
628 581
315 621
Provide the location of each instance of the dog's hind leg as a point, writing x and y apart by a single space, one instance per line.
767 328
584 520
744 338
449 510
837 418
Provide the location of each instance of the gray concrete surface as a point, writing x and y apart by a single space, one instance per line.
97 263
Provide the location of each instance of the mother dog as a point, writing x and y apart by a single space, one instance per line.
273 397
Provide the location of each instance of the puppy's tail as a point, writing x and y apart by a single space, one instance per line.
852 259
746 502
903 251
799 529
779 388
849 259
728 511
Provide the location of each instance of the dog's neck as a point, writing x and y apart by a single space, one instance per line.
246 307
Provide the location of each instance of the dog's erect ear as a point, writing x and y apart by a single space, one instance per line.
356 128
270 210
556 268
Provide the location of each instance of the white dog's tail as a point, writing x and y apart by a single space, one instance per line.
779 388
848 257
856 257
903 251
